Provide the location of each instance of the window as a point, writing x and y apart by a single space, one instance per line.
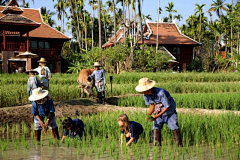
176 52
47 45
41 44
33 44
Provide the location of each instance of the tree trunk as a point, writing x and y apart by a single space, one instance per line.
157 26
140 21
85 26
114 16
92 27
99 25
75 24
124 22
80 37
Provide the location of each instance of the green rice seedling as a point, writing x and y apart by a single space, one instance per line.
4 144
16 143
98 154
50 142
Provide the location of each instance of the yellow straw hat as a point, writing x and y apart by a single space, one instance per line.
97 64
37 94
42 60
145 84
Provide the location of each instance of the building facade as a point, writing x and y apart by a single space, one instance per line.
23 29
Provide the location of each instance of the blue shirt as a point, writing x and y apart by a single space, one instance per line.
160 95
33 83
135 128
42 109
77 123
99 75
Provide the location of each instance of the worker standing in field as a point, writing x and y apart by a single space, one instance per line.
163 105
33 81
42 106
100 80
44 73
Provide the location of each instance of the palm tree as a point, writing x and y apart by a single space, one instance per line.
218 6
199 9
115 25
92 4
170 9
158 12
60 7
99 25
24 2
178 17
140 21
75 23
47 16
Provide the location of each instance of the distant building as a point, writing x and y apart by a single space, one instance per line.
23 29
179 46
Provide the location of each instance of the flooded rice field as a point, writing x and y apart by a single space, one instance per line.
205 137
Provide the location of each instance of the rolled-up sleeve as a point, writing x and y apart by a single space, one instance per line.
148 100
34 108
66 132
51 106
163 99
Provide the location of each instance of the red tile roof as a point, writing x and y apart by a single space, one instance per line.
44 31
119 39
17 19
168 33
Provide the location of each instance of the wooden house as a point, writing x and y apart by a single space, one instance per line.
23 29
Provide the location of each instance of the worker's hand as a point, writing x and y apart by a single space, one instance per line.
75 133
104 84
154 117
41 124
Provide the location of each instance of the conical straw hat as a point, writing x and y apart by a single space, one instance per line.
145 84
43 60
37 94
97 64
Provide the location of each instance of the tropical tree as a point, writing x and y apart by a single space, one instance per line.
23 2
99 25
170 9
178 17
47 16
199 9
60 7
218 6
93 6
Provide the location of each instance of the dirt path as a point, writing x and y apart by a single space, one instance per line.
77 107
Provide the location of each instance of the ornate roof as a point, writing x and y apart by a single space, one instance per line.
15 19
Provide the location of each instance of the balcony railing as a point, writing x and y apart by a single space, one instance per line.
14 46
44 51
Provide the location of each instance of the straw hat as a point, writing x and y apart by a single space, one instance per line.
97 64
42 60
37 94
31 71
145 84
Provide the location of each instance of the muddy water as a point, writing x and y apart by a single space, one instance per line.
45 152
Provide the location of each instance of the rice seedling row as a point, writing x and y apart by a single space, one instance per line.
202 135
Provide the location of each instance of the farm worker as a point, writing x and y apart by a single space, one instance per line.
163 105
131 129
76 126
33 81
44 73
100 79
42 106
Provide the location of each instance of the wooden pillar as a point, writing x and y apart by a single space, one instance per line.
29 64
184 67
4 40
28 41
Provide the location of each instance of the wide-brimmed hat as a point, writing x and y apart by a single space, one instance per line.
145 84
37 94
42 60
31 71
97 64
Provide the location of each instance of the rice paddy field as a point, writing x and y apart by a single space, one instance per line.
204 137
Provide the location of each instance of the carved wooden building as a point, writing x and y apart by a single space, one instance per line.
23 29
179 46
